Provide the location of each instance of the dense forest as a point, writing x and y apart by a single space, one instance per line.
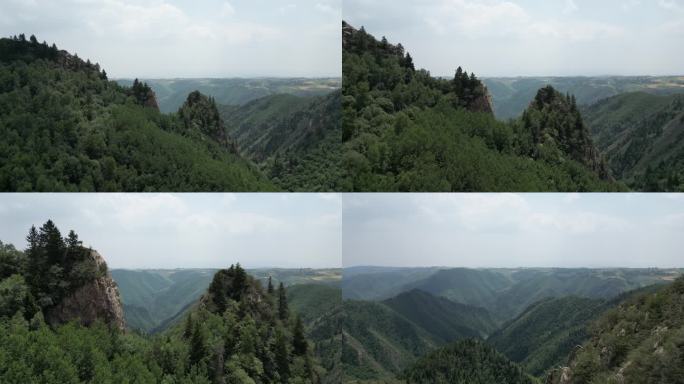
405 130
66 127
466 362
239 332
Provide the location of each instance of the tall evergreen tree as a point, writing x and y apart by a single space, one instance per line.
239 282
282 357
198 344
283 311
270 286
299 344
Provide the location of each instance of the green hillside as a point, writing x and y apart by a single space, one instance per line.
511 96
543 335
67 128
641 136
638 341
295 140
466 362
446 320
152 297
171 93
404 130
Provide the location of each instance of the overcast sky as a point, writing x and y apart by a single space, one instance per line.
188 38
188 230
531 37
513 230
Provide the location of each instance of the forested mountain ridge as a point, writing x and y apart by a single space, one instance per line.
641 136
295 140
404 130
239 332
638 341
67 128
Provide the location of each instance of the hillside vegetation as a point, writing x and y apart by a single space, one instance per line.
295 140
543 335
641 136
67 128
638 341
404 130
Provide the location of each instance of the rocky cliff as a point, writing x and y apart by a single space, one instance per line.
96 300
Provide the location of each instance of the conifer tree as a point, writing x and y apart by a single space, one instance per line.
299 344
270 286
198 344
282 357
283 311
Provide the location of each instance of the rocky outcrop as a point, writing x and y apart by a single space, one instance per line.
97 300
200 114
556 125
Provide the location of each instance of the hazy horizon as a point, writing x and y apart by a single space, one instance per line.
511 38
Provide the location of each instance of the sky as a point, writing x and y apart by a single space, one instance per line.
188 38
531 37
187 230
513 230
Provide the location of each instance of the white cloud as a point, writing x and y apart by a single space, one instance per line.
570 7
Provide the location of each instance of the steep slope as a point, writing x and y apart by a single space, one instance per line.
67 128
377 342
466 362
404 130
95 300
641 136
545 333
296 140
446 320
58 280
639 341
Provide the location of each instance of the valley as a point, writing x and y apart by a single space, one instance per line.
529 320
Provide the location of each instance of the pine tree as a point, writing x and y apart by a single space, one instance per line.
239 282
270 286
72 240
187 332
299 344
408 62
283 311
282 357
198 345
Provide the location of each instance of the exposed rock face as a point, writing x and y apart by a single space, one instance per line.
96 300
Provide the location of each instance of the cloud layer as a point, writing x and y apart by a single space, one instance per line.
526 37
181 38
512 230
